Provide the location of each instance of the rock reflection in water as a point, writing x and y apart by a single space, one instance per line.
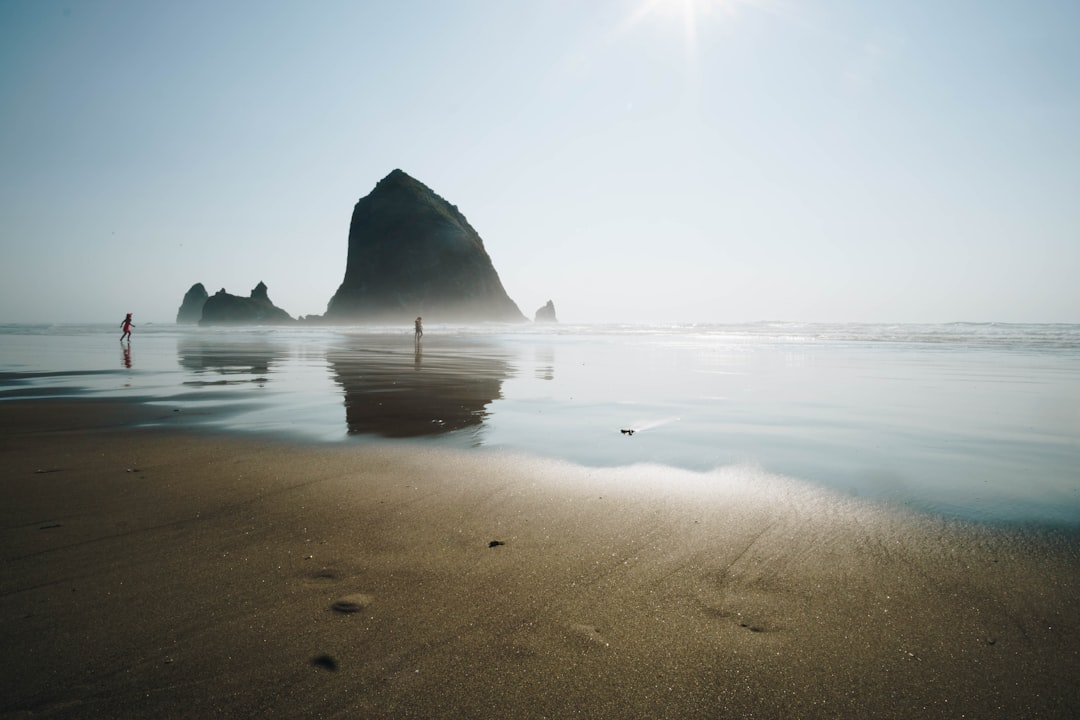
239 361
396 389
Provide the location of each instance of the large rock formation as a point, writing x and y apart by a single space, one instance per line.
412 253
224 309
547 313
191 307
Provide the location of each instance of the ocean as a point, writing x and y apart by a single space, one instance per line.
972 421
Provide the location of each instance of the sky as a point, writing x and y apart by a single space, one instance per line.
631 160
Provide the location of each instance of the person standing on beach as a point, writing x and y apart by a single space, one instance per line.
126 325
419 323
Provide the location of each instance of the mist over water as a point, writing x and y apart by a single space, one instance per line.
974 420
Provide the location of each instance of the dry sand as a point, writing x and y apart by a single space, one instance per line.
159 573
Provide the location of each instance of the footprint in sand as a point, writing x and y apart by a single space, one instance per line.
324 577
352 603
751 622
326 662
324 574
751 627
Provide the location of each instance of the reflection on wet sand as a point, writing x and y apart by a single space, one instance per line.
396 389
545 362
244 360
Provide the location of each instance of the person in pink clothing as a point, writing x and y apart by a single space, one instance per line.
126 326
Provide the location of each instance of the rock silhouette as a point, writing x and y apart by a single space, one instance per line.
191 306
546 313
412 253
223 309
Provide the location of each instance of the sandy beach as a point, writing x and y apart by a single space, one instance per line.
158 572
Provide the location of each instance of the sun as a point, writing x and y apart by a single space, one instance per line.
690 13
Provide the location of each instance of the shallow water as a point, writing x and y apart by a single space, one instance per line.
977 421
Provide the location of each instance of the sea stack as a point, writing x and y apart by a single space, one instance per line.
546 313
224 309
411 253
191 306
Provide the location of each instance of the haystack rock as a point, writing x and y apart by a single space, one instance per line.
191 306
411 253
224 309
547 313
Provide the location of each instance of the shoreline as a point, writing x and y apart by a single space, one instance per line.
154 572
973 423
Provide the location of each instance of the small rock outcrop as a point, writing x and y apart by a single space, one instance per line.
547 313
191 306
411 253
221 308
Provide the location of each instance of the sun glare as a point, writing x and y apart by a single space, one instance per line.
686 10
689 13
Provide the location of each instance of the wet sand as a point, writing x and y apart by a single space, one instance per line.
157 572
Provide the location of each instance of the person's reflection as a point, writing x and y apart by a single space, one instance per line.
448 389
127 356
545 363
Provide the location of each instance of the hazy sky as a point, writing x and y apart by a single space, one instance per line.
632 160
